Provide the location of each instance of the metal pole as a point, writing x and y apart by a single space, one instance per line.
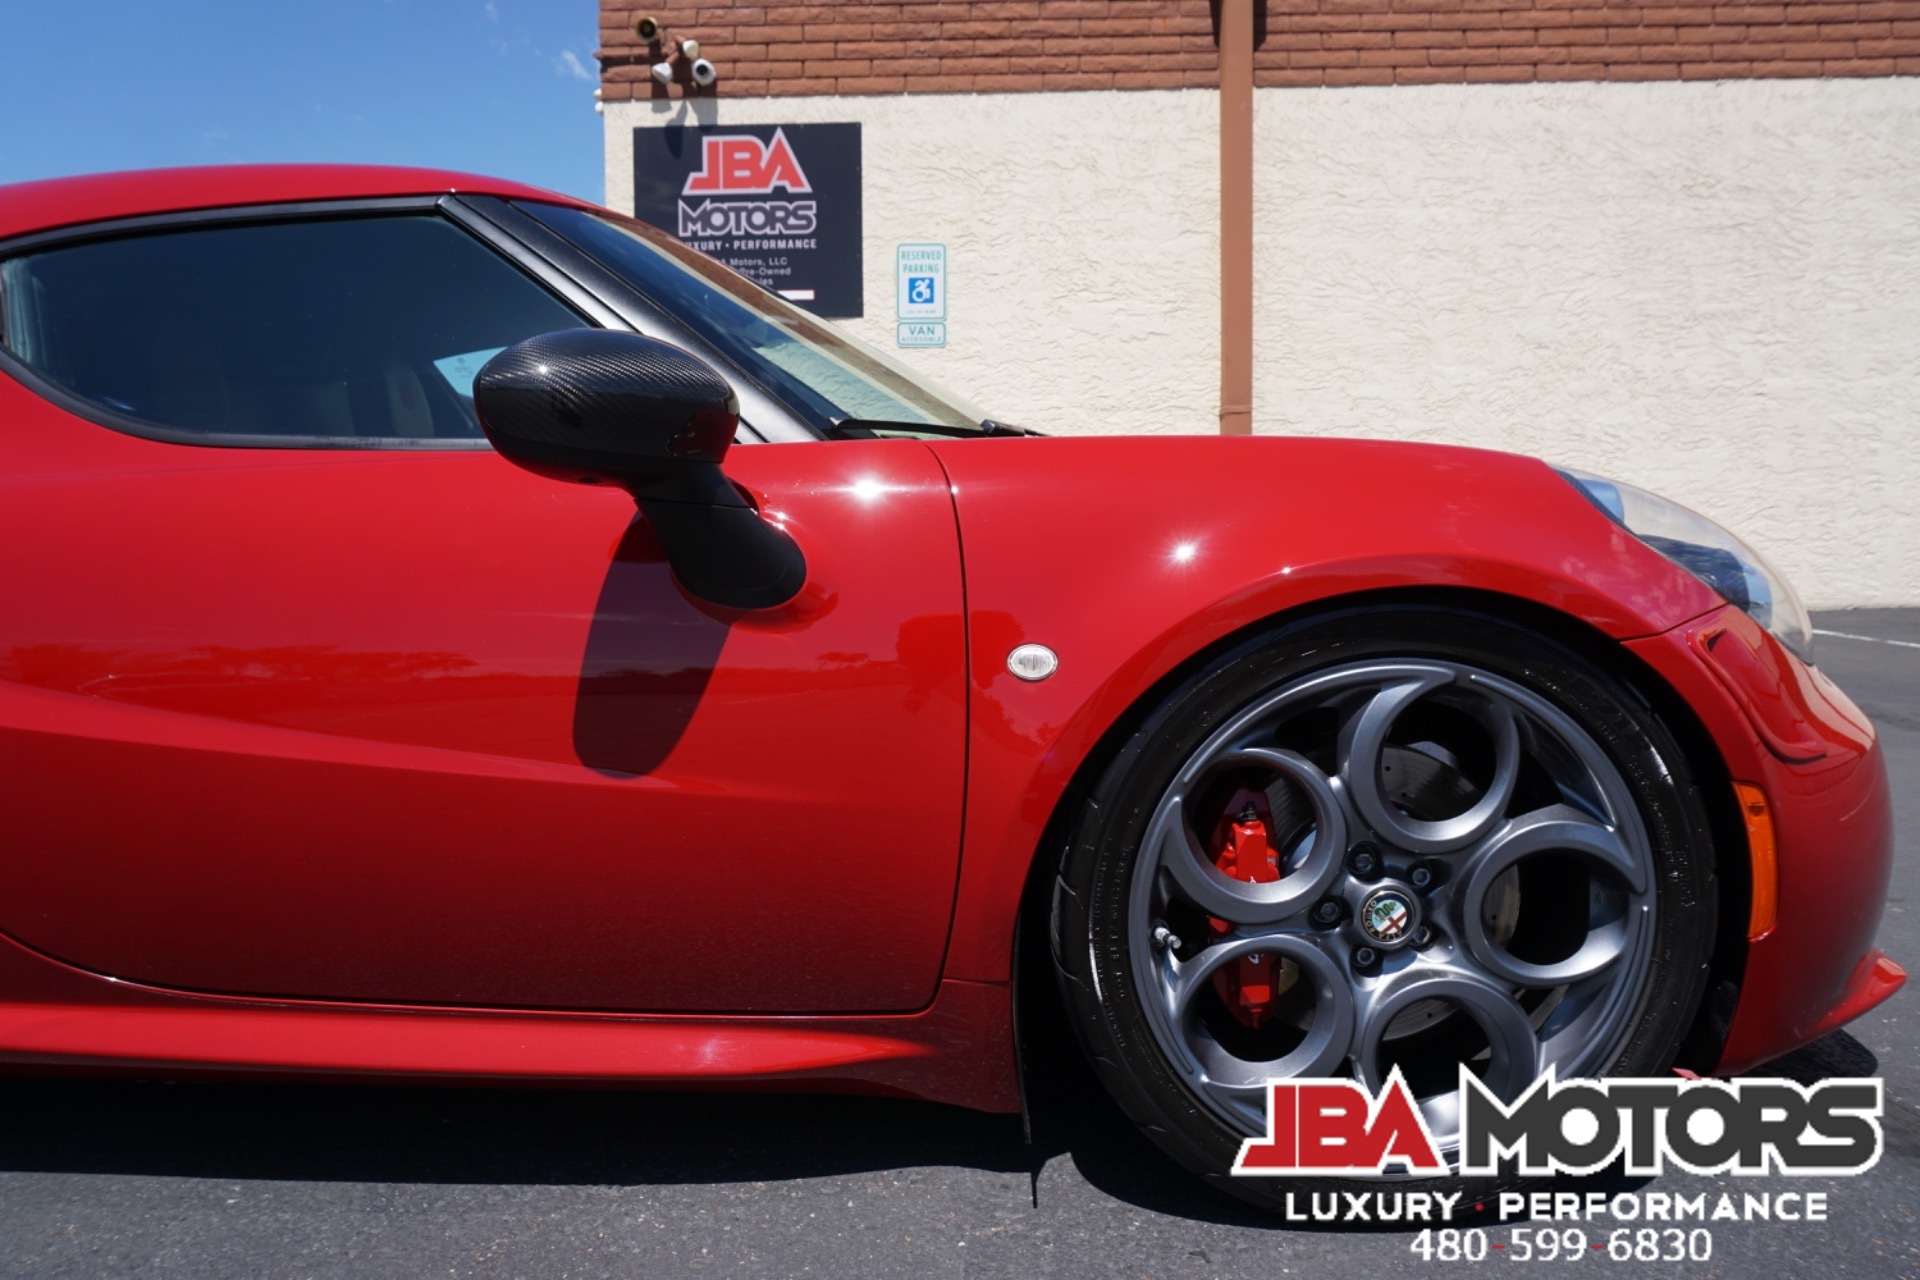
1236 217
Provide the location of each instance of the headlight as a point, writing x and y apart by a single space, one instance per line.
1711 554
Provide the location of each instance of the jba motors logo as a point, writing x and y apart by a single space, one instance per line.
1322 1128
740 164
743 165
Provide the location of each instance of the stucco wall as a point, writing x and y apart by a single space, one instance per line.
1711 289
1083 256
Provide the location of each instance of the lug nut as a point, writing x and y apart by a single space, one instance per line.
1365 957
1421 878
1422 938
1364 860
1327 911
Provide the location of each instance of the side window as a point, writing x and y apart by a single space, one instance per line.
338 330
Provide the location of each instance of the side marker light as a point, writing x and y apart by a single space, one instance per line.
1758 816
1033 662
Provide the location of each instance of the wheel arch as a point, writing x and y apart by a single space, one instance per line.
1031 960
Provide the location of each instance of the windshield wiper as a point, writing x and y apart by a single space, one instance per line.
879 428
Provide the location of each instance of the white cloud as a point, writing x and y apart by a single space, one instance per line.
568 65
491 10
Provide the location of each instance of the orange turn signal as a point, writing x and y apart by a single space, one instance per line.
1765 854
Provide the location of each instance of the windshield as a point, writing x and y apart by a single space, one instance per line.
823 374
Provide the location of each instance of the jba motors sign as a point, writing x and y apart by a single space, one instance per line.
778 203
1750 1126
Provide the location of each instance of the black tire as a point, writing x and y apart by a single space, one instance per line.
1095 941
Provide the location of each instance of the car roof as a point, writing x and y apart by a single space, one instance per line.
62 202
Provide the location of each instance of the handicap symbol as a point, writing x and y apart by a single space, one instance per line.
920 289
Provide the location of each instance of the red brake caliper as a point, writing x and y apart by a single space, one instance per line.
1244 850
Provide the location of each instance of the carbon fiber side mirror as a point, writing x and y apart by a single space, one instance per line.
593 406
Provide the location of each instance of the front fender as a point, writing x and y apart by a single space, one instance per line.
1129 556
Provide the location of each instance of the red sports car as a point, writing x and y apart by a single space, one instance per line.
401 674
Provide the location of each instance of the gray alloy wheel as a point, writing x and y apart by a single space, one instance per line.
1450 857
1482 846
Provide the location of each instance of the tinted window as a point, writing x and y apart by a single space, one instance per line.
351 328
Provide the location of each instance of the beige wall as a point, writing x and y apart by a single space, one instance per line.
1710 289
1083 262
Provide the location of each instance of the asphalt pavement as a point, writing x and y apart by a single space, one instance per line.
248 1180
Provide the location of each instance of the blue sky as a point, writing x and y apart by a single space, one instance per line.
494 86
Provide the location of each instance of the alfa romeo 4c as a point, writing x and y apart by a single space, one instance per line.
452 630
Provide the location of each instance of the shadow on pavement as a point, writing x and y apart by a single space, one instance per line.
447 1134
444 1134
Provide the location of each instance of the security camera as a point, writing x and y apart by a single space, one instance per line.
647 27
662 71
689 49
704 73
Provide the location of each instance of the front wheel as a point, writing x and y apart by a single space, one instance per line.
1393 837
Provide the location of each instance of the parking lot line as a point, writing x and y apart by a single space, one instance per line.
1848 635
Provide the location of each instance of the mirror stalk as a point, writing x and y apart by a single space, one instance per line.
594 406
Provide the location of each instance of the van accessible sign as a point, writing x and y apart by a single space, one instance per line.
778 203
920 295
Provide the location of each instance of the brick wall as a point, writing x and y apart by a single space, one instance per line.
995 46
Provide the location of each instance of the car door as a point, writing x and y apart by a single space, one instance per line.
304 692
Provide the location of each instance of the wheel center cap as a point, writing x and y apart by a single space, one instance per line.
1387 916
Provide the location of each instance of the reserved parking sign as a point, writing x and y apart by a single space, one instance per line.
920 295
